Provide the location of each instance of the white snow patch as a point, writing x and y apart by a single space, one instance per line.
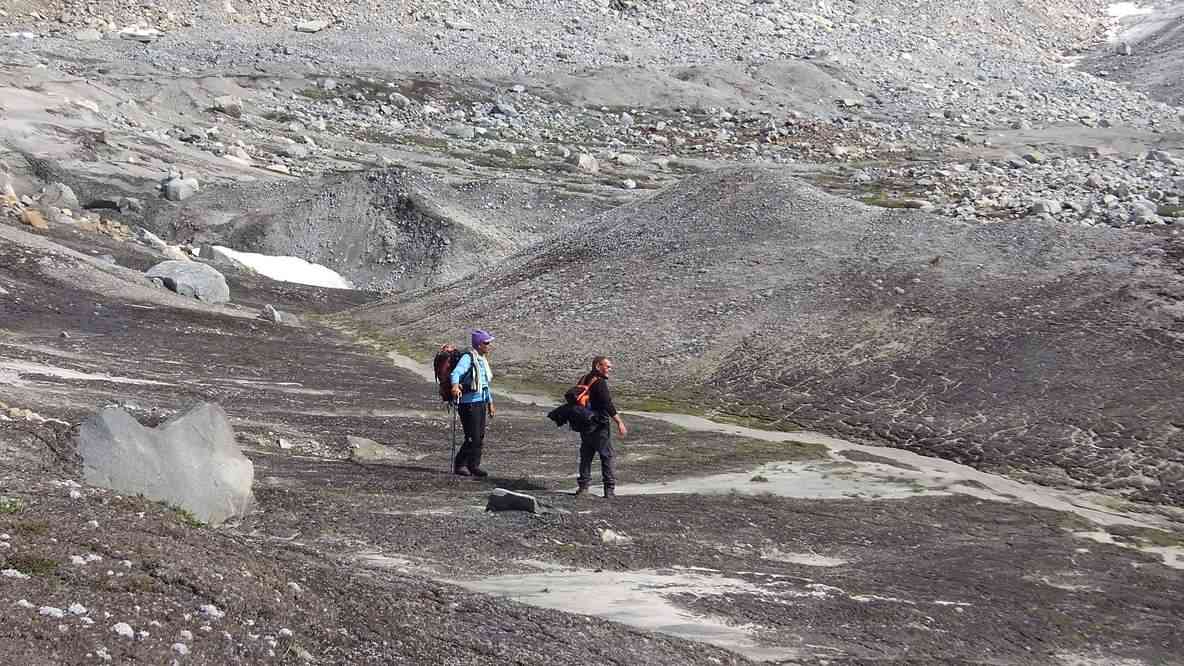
1124 9
16 369
288 269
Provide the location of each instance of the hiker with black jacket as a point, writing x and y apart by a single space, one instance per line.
470 390
598 438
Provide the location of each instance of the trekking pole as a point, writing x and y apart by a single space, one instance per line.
452 456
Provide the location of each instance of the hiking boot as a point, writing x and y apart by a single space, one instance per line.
460 471
581 491
478 472
609 492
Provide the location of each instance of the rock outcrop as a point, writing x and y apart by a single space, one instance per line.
191 462
190 278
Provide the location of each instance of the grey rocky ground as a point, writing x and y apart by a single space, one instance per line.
374 563
751 294
707 190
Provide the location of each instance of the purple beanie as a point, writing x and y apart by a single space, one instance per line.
480 337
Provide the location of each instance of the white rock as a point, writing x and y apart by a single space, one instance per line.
212 611
23 603
312 26
614 538
181 648
50 611
77 609
123 629
12 573
140 34
186 635
584 162
180 189
231 105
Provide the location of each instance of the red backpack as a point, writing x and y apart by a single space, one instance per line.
443 365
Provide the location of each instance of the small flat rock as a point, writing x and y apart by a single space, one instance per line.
142 35
88 35
312 26
364 451
461 131
610 537
507 500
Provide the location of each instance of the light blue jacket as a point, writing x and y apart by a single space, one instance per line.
462 366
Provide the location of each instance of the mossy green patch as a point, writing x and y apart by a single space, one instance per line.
10 505
185 516
666 404
372 337
882 201
741 454
31 565
30 527
1148 536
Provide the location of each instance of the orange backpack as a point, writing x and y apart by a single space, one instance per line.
580 393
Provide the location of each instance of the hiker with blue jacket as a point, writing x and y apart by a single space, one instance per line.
471 390
597 439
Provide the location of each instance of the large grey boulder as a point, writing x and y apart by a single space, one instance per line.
59 195
507 500
191 461
191 278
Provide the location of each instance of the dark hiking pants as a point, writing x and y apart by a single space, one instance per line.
472 419
597 441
